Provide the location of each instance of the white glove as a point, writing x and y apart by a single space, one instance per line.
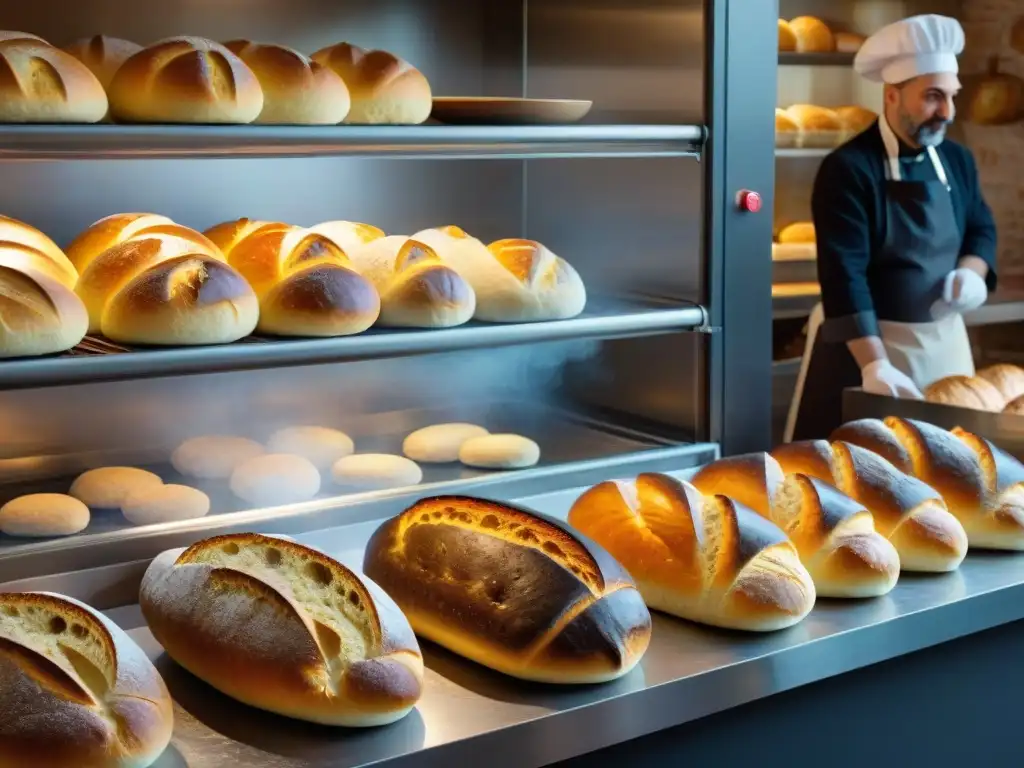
964 290
882 378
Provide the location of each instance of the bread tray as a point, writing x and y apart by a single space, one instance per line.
1003 429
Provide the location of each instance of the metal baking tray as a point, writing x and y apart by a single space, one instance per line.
570 443
1003 429
471 716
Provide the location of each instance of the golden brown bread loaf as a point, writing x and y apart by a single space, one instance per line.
228 234
799 232
384 88
296 89
307 286
57 264
108 232
43 84
75 690
285 628
6 35
787 132
704 558
103 55
185 80
818 126
965 392
812 35
906 511
848 42
1016 407
511 589
350 236
787 38
854 119
417 289
1008 379
964 471
833 534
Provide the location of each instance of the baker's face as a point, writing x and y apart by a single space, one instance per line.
924 106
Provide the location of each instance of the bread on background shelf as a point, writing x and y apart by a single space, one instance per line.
834 535
848 42
103 55
787 132
818 127
1008 379
974 392
853 119
76 690
908 512
43 84
43 515
511 589
812 35
708 559
285 628
983 486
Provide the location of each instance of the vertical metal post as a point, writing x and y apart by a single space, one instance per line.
740 94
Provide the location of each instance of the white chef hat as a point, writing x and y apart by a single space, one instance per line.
920 45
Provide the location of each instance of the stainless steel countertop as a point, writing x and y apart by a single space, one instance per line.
471 716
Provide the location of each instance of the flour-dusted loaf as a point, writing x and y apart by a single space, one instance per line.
110 231
213 457
321 445
704 558
981 485
103 55
972 392
108 487
75 690
43 515
440 443
350 236
43 84
908 512
164 504
285 628
39 314
834 535
54 261
363 472
499 451
273 479
511 589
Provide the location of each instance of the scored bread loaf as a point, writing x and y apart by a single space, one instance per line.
909 513
54 261
965 472
515 281
296 89
75 690
285 628
228 234
1008 379
7 35
43 84
704 558
307 285
511 589
108 232
972 392
384 88
350 236
185 80
103 55
417 289
834 535
812 35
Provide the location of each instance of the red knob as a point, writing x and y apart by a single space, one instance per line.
748 200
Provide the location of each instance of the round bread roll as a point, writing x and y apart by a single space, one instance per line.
417 289
848 42
440 443
375 472
812 35
307 286
43 514
965 392
1008 379
787 38
384 88
1016 407
798 232
296 89
59 267
108 487
321 445
213 457
854 119
502 451
76 690
164 504
43 84
6 35
103 55
787 132
110 231
185 80
274 479
350 236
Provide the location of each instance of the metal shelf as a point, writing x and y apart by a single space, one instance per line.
805 153
603 322
34 142
834 59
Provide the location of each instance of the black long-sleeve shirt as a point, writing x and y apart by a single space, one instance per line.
848 207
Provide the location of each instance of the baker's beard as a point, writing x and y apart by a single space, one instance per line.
930 133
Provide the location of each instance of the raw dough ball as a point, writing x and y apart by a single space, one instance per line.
43 514
376 472
321 445
499 452
275 478
213 457
439 443
165 504
107 487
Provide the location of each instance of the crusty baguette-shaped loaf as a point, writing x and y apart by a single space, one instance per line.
103 55
964 470
906 511
965 392
75 690
812 35
39 315
1008 379
285 628
296 89
185 80
834 535
306 284
417 289
43 84
511 589
384 88
704 558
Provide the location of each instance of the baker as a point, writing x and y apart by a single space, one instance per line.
906 242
